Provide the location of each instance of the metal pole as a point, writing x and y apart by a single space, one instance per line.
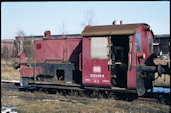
34 70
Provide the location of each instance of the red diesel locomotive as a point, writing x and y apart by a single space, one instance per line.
110 57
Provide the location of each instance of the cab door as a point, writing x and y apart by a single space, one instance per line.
135 52
136 59
95 62
131 74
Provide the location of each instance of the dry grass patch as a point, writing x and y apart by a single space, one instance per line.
34 103
65 107
8 72
106 105
165 79
7 101
162 81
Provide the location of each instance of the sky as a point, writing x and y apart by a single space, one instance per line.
34 18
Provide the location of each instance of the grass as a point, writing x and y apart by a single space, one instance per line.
29 103
12 101
162 81
8 72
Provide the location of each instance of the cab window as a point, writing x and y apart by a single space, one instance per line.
99 48
138 42
150 44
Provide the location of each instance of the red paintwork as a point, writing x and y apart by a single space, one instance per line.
57 50
88 64
131 75
73 49
26 71
54 50
22 56
29 71
47 34
131 78
39 50
87 26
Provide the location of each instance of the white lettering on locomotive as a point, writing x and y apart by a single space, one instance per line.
105 80
97 75
87 79
96 69
96 81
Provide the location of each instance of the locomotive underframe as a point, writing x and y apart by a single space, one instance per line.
50 72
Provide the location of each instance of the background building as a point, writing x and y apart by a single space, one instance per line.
162 44
8 49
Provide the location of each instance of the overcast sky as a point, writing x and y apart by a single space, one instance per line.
35 17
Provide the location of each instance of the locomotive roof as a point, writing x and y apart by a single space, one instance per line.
123 29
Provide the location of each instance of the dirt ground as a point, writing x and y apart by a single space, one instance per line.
38 102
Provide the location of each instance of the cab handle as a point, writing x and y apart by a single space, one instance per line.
80 61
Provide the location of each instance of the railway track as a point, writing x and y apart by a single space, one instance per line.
10 83
148 97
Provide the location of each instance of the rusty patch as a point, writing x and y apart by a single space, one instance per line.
123 29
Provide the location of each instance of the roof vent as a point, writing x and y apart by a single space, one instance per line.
117 22
47 34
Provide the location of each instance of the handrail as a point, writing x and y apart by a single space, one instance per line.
80 62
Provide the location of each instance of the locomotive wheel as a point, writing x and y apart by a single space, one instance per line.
25 81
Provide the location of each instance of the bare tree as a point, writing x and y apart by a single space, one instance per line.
63 29
88 18
5 53
14 51
28 48
32 47
21 35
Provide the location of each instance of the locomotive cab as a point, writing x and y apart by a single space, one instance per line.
115 60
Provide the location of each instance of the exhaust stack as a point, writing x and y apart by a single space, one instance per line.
117 22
